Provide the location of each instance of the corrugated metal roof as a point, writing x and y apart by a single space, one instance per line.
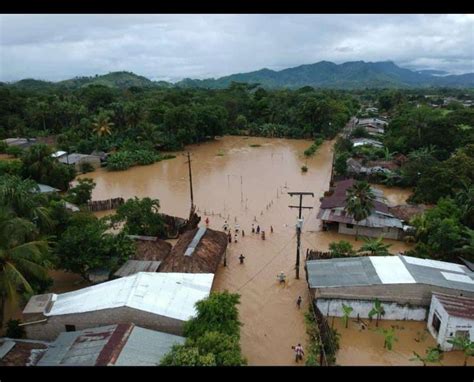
194 243
456 306
167 294
44 188
375 270
135 266
146 347
375 220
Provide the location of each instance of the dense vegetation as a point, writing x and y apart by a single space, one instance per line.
212 337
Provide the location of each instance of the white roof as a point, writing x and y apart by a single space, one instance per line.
166 294
58 154
391 270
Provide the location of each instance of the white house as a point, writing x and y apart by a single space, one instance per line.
449 317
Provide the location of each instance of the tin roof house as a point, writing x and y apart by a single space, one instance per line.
156 301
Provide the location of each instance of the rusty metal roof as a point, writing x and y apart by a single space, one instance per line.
456 306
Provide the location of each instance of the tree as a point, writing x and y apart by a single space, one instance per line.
359 202
346 311
432 355
464 344
217 313
23 258
375 247
181 355
82 192
341 249
141 217
389 337
377 310
102 125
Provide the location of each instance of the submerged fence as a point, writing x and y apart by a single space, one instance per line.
103 205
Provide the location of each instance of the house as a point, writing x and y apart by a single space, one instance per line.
449 317
45 189
197 251
113 345
16 352
150 251
373 126
380 223
156 301
22 143
357 142
77 160
403 284
406 212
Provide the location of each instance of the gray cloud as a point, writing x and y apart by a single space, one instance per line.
172 47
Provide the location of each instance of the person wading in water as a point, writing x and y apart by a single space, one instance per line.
241 258
299 352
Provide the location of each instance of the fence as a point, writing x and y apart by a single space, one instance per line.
103 205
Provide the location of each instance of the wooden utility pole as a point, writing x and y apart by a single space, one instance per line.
190 180
299 225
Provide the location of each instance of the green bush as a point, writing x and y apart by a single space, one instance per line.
341 249
14 330
119 161
86 167
304 168
311 150
14 150
3 147
10 167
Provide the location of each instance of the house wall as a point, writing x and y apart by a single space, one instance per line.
387 233
55 325
449 325
393 311
414 294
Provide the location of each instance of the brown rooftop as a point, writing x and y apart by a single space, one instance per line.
150 248
457 306
205 258
21 354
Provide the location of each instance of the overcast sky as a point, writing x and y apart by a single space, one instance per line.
172 47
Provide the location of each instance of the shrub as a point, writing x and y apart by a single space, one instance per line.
14 151
119 161
341 249
14 330
86 167
304 168
10 167
3 147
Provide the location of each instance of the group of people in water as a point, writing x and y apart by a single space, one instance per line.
237 230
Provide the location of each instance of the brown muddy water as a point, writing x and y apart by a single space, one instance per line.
248 185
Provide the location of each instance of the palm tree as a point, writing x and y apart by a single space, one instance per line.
359 202
467 242
389 337
22 258
376 247
102 125
432 355
346 310
377 310
464 344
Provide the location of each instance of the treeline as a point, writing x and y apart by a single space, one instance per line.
99 117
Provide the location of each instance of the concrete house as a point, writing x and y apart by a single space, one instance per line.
156 301
449 317
403 284
381 222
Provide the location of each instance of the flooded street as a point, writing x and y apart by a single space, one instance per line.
239 183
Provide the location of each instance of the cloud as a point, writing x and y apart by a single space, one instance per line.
172 47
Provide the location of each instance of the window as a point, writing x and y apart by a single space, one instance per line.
436 323
70 328
351 226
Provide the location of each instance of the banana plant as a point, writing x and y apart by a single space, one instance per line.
377 310
346 311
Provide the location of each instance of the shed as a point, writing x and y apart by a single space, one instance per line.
197 251
449 317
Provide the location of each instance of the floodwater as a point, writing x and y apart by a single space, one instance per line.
248 185
366 346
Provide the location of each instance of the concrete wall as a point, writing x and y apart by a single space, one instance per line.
55 325
387 233
449 325
393 311
402 294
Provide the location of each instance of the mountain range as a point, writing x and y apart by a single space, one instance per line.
324 74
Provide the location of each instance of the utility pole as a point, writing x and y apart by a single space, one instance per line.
241 191
299 225
190 180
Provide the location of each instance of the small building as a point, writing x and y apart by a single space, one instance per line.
403 284
58 154
357 142
22 143
197 251
406 212
114 345
156 301
45 189
380 223
150 251
449 317
77 160
373 126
